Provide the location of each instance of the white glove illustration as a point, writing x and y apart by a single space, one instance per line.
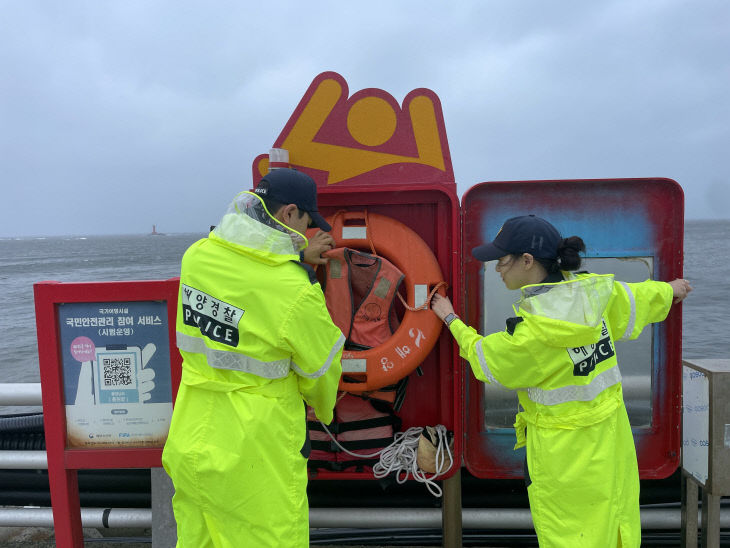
85 389
146 376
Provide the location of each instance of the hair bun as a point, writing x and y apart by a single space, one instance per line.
569 253
574 243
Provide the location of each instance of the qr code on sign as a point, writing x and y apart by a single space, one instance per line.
117 371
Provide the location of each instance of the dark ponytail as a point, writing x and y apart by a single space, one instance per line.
569 251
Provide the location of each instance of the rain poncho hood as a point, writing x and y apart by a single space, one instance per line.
248 226
569 313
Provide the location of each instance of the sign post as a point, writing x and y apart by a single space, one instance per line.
109 376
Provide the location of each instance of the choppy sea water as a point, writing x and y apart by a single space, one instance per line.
24 261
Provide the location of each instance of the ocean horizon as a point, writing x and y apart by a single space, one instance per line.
79 258
200 234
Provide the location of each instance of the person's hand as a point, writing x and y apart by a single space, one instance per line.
319 243
681 289
441 306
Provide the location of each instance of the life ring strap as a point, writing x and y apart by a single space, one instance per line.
427 302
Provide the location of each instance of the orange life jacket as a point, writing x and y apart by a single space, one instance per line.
361 425
359 290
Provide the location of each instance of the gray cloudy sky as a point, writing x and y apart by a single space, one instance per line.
118 115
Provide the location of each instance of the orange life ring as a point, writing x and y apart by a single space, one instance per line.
419 329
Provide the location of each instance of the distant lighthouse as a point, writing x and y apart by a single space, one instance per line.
154 231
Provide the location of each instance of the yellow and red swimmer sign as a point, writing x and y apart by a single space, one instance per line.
364 139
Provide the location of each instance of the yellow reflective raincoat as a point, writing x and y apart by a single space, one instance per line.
559 354
256 340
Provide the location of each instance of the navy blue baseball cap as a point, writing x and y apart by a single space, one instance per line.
289 186
525 234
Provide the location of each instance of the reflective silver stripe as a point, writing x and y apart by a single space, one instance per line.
322 370
485 368
586 392
224 359
632 318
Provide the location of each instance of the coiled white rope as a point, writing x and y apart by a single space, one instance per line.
400 457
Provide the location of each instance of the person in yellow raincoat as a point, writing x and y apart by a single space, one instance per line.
257 342
558 354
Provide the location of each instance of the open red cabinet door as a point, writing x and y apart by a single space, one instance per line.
632 228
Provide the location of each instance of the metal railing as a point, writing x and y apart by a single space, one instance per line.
657 519
29 394
20 393
96 518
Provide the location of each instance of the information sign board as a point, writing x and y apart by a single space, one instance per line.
116 373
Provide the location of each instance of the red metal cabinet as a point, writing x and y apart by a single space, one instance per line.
367 151
431 210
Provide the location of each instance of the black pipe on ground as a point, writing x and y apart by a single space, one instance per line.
24 422
475 493
22 441
130 485
130 488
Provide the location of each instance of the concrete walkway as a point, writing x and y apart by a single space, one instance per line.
42 537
